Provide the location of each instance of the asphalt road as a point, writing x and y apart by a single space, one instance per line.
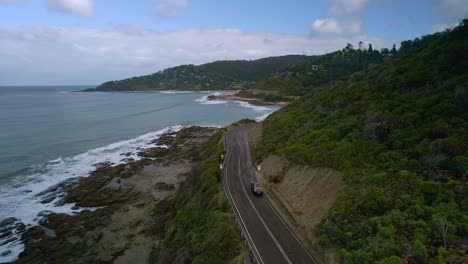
271 238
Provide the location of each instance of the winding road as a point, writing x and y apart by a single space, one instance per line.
270 238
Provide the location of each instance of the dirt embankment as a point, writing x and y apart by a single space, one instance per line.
305 193
133 204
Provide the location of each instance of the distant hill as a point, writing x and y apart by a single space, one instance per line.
398 134
217 75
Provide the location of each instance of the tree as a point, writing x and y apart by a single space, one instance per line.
433 160
419 251
349 47
370 48
360 45
459 165
384 51
442 227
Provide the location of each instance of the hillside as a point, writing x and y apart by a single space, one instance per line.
397 133
216 75
298 79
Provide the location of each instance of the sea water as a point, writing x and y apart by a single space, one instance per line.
49 135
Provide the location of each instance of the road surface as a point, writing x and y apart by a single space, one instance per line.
271 239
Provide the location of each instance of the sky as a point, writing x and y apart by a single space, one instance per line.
87 42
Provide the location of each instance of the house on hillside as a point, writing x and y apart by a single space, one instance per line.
315 67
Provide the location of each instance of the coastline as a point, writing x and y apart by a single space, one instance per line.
130 204
253 101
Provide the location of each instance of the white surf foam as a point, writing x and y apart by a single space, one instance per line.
205 101
22 198
254 107
263 117
175 92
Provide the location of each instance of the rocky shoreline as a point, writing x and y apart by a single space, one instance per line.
131 204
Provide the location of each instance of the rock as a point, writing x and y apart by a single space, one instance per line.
6 253
6 234
164 186
75 207
183 257
20 227
49 232
7 221
11 239
140 203
102 165
157 152
48 200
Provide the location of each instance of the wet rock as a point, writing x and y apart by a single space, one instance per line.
140 203
5 253
47 200
157 152
124 216
20 227
102 165
9 240
6 234
8 221
49 232
164 186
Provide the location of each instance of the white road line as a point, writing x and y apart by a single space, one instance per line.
234 203
258 214
284 223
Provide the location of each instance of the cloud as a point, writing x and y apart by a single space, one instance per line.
84 8
443 27
451 10
170 8
344 19
334 26
59 55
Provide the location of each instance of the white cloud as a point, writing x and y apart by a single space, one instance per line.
170 8
54 55
344 18
335 26
84 8
451 10
443 27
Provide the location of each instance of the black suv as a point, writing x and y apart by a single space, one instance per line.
255 188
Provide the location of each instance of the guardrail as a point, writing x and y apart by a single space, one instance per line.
254 255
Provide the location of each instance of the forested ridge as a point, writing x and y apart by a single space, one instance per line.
297 80
219 75
398 133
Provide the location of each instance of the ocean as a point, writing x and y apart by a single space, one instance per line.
51 134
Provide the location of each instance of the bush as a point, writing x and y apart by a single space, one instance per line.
459 166
275 179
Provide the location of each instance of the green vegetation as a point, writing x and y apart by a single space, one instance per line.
398 134
302 78
203 228
218 75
